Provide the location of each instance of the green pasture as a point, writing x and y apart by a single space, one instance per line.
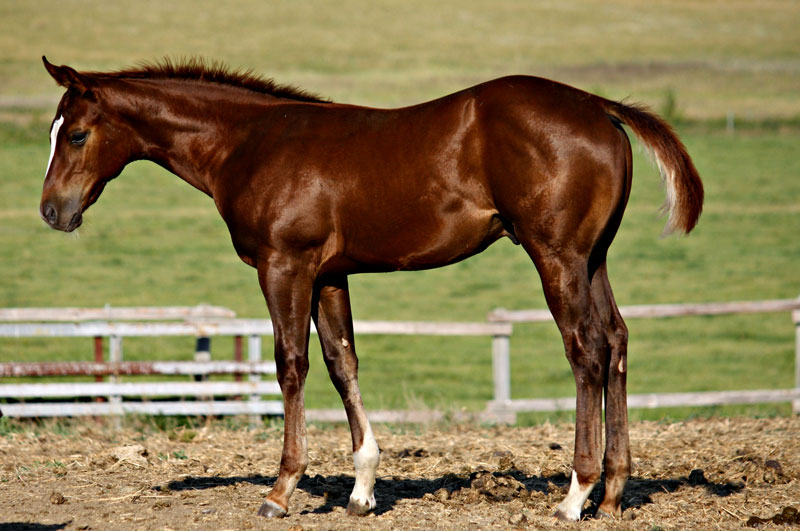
708 58
153 240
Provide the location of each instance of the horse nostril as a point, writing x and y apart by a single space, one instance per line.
50 213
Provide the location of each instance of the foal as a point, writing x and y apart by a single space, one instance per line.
313 192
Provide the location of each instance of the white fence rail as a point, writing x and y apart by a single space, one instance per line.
197 408
205 327
116 313
504 403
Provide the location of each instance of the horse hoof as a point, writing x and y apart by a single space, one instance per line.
561 516
603 513
356 508
270 509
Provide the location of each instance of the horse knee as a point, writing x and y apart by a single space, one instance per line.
291 371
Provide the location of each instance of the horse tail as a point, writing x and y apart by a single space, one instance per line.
684 188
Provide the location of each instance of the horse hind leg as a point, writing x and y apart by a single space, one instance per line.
335 327
595 339
617 454
569 296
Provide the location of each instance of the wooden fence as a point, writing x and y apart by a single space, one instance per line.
503 403
207 321
198 325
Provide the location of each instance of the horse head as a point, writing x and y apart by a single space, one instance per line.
88 147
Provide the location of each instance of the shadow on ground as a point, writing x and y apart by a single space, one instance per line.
491 486
25 526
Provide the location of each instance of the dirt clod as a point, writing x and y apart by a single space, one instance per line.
788 516
134 454
517 519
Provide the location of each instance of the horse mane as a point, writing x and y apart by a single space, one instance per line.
200 69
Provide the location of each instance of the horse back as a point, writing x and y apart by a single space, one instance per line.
409 188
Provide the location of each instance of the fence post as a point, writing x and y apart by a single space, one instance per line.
254 355
796 320
202 353
115 356
237 356
501 369
98 356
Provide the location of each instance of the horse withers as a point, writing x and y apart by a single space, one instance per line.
314 191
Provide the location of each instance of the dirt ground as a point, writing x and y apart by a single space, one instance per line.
709 474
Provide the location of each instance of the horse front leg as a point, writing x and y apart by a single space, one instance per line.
288 290
335 327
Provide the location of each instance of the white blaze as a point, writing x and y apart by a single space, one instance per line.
53 137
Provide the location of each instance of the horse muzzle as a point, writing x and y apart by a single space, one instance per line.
67 217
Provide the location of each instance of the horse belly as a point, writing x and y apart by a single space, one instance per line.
418 243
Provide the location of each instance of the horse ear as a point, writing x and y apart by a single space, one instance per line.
65 76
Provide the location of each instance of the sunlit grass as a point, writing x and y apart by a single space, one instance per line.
740 57
153 240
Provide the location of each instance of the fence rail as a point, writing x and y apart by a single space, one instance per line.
504 403
208 321
501 315
143 389
116 313
128 368
196 408
203 328
242 327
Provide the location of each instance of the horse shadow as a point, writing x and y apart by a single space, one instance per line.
335 489
27 526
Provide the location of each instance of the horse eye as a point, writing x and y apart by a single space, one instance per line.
78 138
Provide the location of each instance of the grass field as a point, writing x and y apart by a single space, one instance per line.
152 240
714 58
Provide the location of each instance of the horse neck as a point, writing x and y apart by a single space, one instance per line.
183 126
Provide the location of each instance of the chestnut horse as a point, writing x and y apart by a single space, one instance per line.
314 191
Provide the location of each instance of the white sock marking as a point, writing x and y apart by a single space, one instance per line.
53 137
366 461
572 505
